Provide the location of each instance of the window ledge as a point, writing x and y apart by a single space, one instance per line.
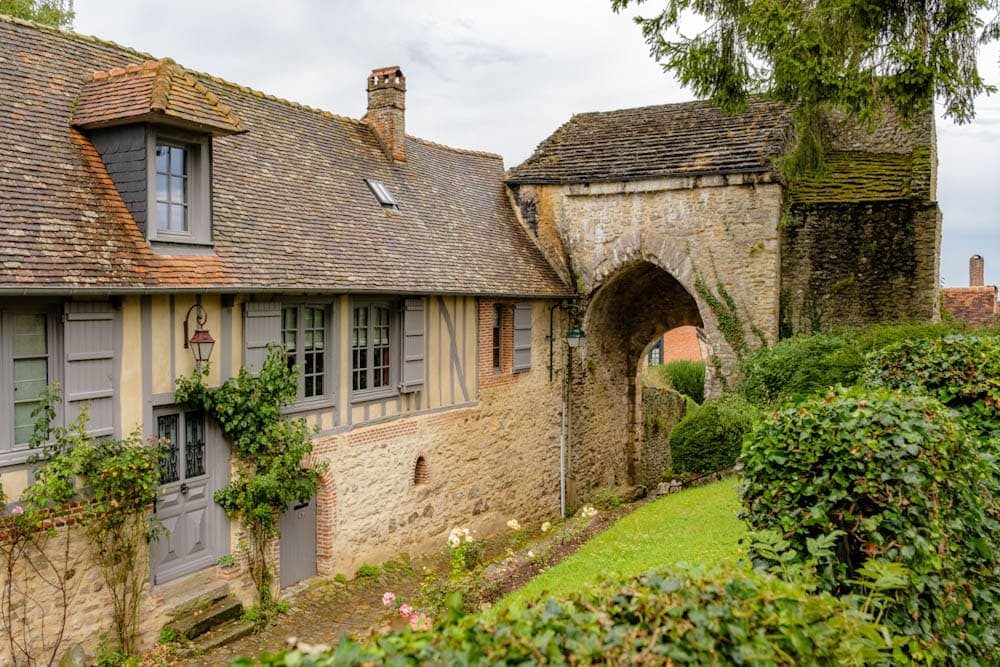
174 247
308 406
373 395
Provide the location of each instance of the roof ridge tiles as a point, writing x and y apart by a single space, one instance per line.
464 151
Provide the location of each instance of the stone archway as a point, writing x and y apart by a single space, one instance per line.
630 307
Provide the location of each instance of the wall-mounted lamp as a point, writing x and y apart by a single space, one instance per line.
201 342
574 336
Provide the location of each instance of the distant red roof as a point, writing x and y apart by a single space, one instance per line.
975 305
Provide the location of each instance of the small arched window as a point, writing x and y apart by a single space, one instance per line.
420 472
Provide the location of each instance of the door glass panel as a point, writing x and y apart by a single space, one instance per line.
166 429
194 449
30 378
29 335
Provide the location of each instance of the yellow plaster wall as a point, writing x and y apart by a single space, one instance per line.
160 344
130 389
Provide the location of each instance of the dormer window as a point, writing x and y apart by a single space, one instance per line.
382 194
171 188
153 125
179 189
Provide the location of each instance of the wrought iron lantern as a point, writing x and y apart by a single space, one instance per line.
200 342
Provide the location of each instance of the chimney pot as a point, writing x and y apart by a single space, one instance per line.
976 266
387 109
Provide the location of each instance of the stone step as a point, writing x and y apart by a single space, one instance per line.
224 634
192 598
207 618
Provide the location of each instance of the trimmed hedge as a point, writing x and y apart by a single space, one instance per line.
672 617
710 437
892 478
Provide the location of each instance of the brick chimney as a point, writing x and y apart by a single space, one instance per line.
976 271
387 109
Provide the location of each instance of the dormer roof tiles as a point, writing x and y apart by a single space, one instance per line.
158 91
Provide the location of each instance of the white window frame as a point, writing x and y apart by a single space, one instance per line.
329 378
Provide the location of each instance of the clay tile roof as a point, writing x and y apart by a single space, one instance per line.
291 210
158 91
687 139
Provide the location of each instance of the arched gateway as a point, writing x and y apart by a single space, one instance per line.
653 213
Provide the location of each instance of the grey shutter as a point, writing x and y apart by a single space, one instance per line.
89 364
411 377
522 336
261 327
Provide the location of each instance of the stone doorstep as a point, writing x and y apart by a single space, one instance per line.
205 619
226 633
188 594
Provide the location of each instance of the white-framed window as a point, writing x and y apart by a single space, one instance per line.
179 190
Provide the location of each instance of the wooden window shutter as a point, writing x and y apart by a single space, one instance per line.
89 364
411 377
522 336
261 328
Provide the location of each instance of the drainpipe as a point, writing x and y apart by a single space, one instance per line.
562 462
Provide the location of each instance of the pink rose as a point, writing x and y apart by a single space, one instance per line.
17 510
414 621
405 610
388 599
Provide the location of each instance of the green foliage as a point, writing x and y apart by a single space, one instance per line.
368 572
226 560
856 56
465 557
49 12
605 499
804 365
689 616
271 452
893 479
168 636
728 320
684 375
960 370
709 438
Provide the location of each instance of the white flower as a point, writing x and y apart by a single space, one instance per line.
467 534
455 537
513 524
546 526
530 554
587 511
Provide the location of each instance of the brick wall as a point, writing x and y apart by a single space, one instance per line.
488 377
976 305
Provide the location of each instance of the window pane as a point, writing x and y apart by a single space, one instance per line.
29 335
178 161
163 216
24 426
289 317
178 190
194 444
178 218
161 188
318 362
166 429
308 342
162 157
319 385
30 378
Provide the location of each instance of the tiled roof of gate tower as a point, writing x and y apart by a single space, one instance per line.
291 210
686 139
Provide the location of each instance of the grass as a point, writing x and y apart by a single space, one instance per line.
697 525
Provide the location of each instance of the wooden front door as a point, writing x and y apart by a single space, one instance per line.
195 528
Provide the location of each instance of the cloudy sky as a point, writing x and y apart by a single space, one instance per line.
495 76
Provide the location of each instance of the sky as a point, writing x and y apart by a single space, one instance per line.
497 76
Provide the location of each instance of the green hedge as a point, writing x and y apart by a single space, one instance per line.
710 437
805 365
676 616
893 478
685 376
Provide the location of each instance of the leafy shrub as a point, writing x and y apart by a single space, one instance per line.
805 365
960 370
893 478
710 437
605 499
368 572
672 617
686 376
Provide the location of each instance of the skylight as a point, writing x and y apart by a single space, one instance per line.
382 194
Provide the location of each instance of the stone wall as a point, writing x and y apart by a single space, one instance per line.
485 464
634 250
854 264
662 409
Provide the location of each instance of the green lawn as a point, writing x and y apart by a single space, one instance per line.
697 525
